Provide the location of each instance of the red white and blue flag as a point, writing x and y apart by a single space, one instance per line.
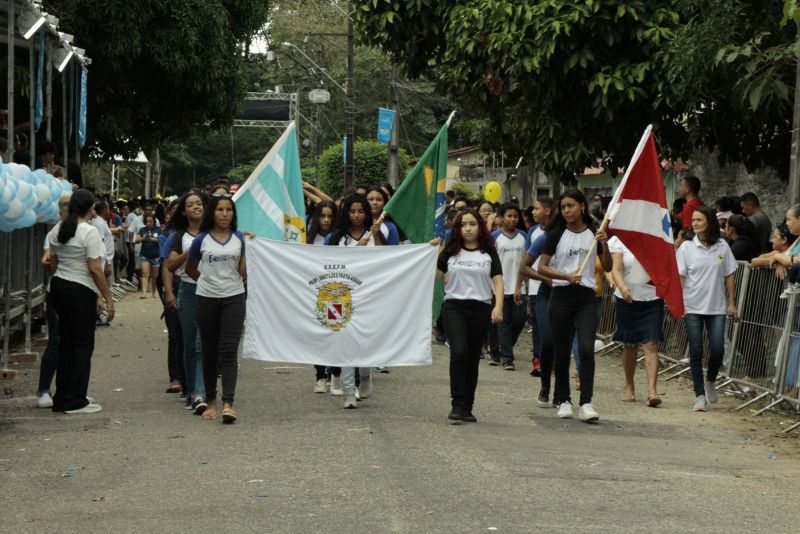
639 217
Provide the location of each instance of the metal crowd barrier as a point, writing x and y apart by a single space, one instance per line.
762 346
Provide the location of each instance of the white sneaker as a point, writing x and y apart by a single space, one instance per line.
321 386
365 387
44 400
588 413
700 404
564 410
684 361
336 386
350 403
711 392
89 408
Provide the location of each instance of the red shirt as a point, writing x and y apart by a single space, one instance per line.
688 209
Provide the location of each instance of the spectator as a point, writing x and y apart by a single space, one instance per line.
724 208
789 261
782 239
752 208
689 189
738 233
3 150
675 216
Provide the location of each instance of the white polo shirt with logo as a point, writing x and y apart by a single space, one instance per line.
704 270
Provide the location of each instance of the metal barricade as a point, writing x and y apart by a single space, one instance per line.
608 318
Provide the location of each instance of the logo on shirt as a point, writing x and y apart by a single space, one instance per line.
577 252
334 307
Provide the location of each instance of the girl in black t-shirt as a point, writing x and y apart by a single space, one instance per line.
570 238
472 272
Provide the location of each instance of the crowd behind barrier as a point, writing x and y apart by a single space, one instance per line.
762 346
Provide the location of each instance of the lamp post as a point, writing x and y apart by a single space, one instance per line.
318 97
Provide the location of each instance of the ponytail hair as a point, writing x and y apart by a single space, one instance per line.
80 205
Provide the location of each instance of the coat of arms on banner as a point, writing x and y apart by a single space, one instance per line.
334 305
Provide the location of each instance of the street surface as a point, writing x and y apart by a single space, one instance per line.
298 462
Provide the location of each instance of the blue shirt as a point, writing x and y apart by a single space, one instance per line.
165 243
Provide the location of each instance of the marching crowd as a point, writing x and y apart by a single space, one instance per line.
503 267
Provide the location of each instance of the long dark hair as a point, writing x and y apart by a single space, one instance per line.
742 226
343 224
80 203
208 215
712 233
313 227
179 222
456 243
558 222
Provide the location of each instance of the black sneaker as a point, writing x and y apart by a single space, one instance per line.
455 415
508 366
544 399
199 405
493 362
188 404
467 417
439 337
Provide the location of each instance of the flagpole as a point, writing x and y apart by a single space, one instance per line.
615 199
450 118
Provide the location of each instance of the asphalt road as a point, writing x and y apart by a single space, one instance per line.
298 462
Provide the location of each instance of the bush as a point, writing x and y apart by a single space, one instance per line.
371 165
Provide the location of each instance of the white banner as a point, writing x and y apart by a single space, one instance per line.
339 306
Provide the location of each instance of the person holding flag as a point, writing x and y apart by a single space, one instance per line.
568 258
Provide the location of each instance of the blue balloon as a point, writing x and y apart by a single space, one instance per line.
5 226
28 219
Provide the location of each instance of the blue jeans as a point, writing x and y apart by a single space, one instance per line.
192 352
715 330
50 354
349 378
509 329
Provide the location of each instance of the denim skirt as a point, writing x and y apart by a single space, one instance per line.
639 321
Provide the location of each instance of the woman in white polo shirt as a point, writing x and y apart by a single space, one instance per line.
473 274
77 252
570 238
217 262
706 266
640 319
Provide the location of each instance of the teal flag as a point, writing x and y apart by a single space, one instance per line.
270 203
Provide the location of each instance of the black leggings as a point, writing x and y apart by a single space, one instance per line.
466 323
220 321
573 305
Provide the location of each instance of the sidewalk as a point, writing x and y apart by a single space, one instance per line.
298 462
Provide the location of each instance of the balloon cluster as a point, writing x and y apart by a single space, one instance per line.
28 197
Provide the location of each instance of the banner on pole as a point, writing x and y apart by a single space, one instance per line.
339 306
385 124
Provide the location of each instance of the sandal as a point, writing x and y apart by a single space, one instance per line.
208 415
654 401
228 416
174 388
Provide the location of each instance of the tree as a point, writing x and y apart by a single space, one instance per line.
160 69
372 158
568 83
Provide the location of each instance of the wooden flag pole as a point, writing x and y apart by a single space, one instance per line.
594 243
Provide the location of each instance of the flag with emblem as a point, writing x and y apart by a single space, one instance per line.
639 217
270 203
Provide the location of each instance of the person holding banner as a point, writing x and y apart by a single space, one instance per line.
217 262
473 274
706 266
640 319
323 221
568 258
356 229
377 199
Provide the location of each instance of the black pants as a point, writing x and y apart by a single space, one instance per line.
466 323
50 354
220 321
174 333
325 372
76 308
573 305
131 267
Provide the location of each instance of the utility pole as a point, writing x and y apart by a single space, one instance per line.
794 160
393 141
349 166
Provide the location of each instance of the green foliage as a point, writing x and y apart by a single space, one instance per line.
160 69
462 189
371 165
568 83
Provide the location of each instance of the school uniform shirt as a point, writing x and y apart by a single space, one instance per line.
348 241
469 274
705 270
72 255
390 234
568 249
165 244
510 250
319 239
636 278
536 242
218 264
149 248
178 246
130 219
105 234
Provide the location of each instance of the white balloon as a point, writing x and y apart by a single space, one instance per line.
42 192
24 189
10 190
15 209
27 219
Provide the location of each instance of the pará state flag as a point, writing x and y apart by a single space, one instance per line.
270 203
339 306
639 217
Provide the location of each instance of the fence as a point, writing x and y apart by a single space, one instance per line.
762 346
21 284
